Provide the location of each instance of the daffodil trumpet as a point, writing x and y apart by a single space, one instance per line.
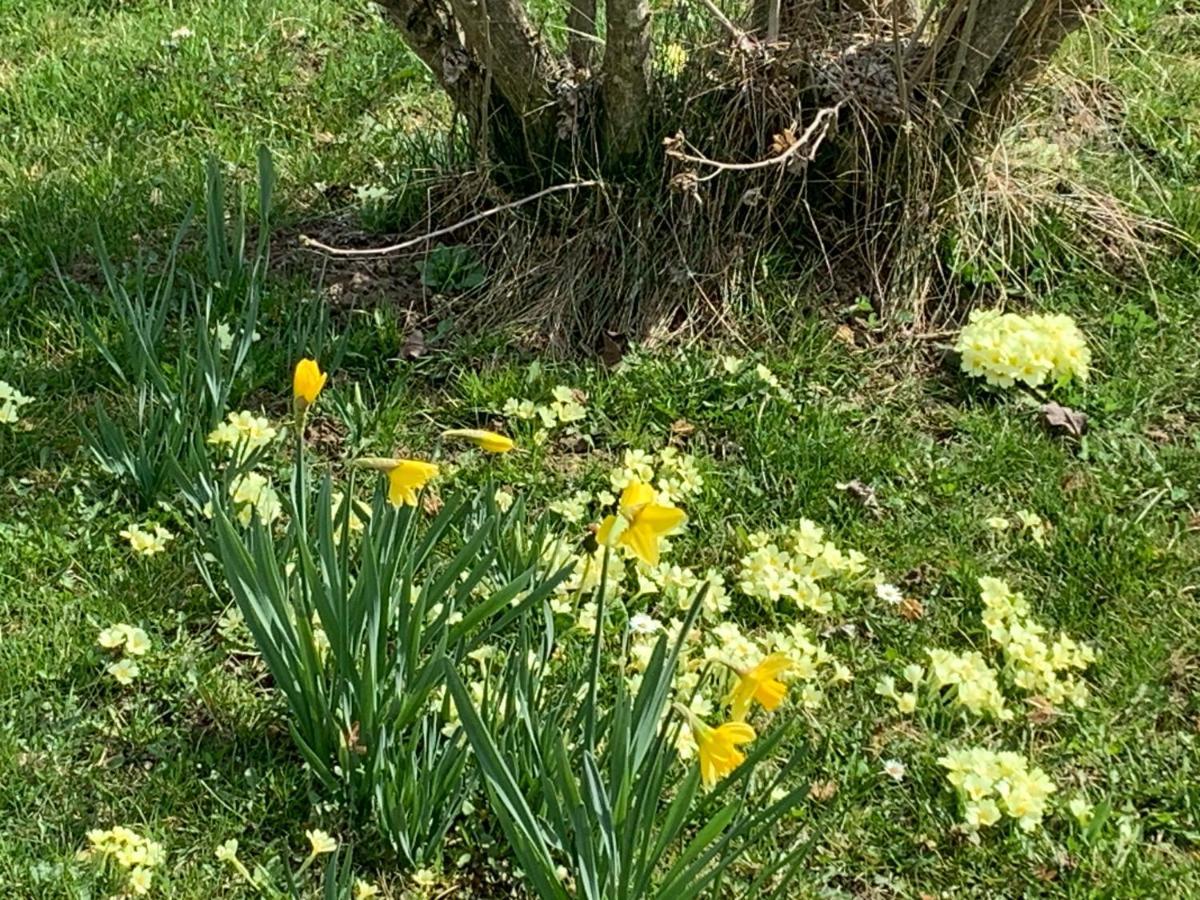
640 523
717 748
406 477
759 683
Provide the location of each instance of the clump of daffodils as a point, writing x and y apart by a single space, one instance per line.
11 401
147 541
135 855
993 785
1038 664
1005 348
243 431
798 566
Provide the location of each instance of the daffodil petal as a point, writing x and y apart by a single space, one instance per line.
660 520
643 543
635 496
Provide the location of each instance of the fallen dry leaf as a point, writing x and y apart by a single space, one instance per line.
822 790
431 503
612 347
863 493
910 608
1041 711
414 345
1046 873
1063 420
682 429
845 334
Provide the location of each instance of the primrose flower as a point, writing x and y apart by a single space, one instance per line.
112 637
759 683
243 430
1082 810
252 493
674 59
364 890
124 671
717 747
405 477
137 643
140 880
11 400
1005 348
489 441
320 842
307 381
147 541
227 851
641 522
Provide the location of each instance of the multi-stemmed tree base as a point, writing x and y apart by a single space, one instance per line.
829 126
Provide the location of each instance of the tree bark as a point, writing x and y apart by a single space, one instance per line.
581 33
508 47
626 90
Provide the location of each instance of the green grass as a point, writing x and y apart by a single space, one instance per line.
106 118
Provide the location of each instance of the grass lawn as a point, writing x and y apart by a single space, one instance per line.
107 113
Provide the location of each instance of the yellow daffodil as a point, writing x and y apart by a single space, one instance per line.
641 522
405 477
759 683
718 747
307 381
484 440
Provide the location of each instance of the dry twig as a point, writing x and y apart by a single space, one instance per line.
307 241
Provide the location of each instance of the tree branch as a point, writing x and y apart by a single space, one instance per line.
306 241
626 90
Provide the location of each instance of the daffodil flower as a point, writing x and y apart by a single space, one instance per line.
488 441
307 381
759 683
641 522
405 477
717 747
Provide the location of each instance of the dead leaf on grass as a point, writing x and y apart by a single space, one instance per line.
414 345
1041 711
681 429
910 608
822 790
863 493
1063 420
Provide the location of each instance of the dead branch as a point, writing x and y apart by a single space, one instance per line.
809 141
307 241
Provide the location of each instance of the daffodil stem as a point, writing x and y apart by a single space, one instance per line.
589 725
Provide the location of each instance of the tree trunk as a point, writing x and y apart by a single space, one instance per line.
625 96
